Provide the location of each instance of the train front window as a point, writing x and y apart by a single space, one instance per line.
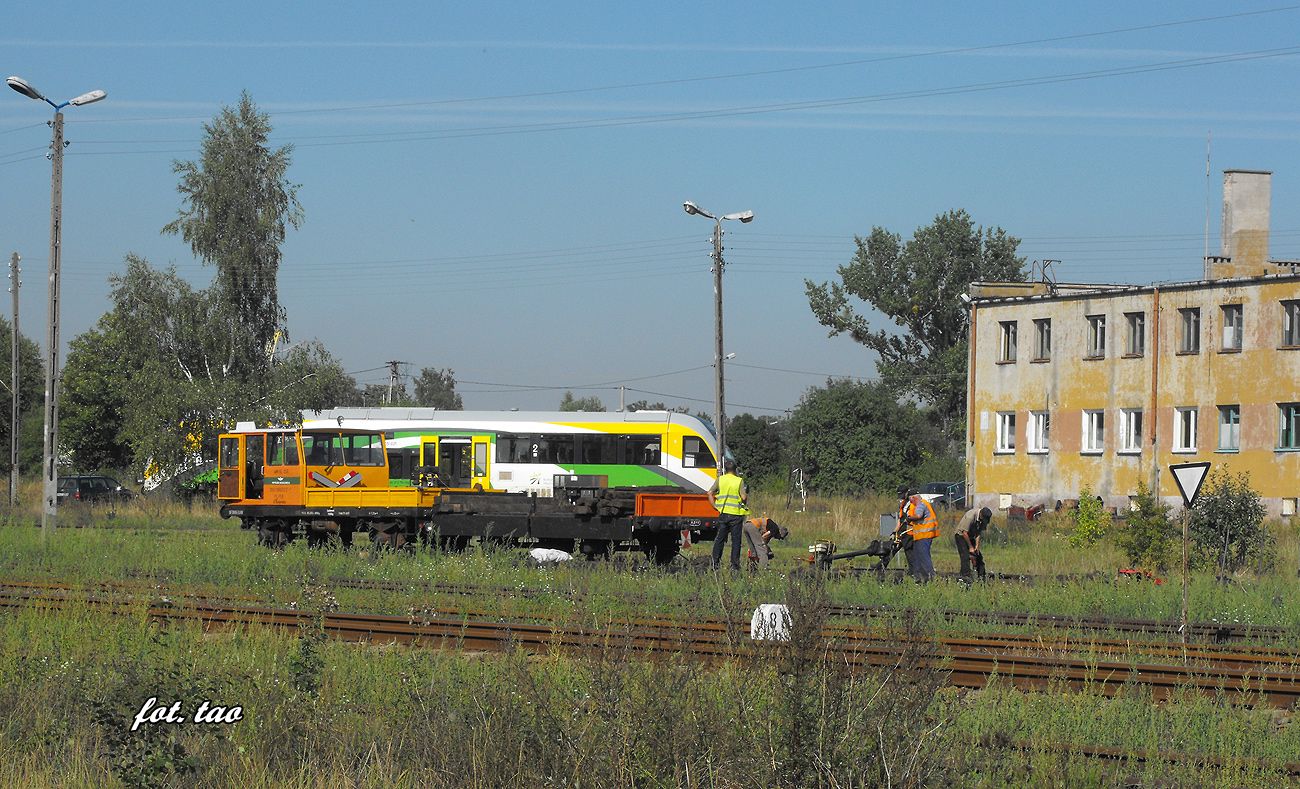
696 453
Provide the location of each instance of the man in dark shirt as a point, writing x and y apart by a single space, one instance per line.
967 539
758 533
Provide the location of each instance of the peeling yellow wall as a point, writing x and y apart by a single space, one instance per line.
1257 378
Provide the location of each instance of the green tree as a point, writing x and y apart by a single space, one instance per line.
757 445
855 438
918 285
437 389
571 403
185 363
308 378
31 396
376 396
1227 528
92 408
156 375
237 205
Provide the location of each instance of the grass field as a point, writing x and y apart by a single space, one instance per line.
320 713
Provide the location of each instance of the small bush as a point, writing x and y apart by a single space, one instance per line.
1090 520
1227 526
1148 538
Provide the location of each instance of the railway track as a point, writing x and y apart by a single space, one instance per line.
1206 645
1128 756
968 663
1202 631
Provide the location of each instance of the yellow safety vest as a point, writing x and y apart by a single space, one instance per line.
727 499
928 527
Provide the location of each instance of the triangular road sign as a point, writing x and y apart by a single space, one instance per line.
1189 477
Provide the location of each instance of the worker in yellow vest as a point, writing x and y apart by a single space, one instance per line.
921 521
730 498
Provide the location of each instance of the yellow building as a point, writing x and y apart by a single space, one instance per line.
1100 386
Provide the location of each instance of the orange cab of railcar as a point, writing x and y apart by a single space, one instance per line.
277 466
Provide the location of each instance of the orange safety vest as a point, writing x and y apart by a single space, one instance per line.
727 499
928 527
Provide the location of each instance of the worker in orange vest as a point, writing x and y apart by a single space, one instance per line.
919 519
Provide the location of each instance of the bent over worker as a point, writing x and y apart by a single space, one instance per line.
730 498
758 533
967 538
923 524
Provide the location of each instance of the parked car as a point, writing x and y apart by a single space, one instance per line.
92 489
945 495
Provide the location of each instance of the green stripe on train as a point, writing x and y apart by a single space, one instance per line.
620 476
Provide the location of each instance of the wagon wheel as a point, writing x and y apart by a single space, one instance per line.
662 547
274 533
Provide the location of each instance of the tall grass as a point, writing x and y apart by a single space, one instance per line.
72 680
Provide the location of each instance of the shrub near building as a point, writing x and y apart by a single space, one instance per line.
1227 528
1147 537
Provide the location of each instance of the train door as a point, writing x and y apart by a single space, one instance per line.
254 465
230 482
428 457
480 477
454 461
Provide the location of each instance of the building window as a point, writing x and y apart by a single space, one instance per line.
1130 430
1042 339
1137 334
1037 431
1190 341
1096 336
1185 429
1006 432
1007 342
1229 427
1094 431
1232 323
1288 436
1291 323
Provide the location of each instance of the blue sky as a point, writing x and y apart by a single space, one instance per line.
497 187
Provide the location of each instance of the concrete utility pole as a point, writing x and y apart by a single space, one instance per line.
719 399
393 380
14 283
50 443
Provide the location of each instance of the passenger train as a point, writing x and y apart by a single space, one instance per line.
522 452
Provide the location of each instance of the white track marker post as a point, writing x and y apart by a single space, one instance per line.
1189 478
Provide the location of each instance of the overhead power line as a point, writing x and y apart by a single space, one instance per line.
943 52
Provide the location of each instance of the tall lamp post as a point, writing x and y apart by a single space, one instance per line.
719 412
50 443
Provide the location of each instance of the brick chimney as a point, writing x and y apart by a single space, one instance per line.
1246 198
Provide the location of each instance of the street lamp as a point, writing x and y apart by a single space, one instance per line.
719 413
50 443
